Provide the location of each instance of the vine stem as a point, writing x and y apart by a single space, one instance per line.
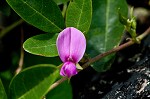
118 48
57 83
98 57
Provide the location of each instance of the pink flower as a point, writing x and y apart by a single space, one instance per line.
71 45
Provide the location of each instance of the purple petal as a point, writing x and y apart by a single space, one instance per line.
78 45
71 45
63 44
68 69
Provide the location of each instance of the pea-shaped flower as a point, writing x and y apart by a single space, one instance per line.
71 45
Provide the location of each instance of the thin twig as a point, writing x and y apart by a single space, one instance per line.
57 83
21 54
116 49
98 57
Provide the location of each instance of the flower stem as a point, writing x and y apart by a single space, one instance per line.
98 57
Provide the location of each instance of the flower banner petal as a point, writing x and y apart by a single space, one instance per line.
77 45
63 44
71 45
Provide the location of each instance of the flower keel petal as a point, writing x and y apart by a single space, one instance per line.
68 69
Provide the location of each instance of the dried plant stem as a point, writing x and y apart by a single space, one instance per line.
21 54
98 57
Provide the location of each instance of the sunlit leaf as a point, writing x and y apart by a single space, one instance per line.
79 14
63 91
43 14
43 45
33 82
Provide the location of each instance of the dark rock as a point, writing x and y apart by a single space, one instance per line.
138 84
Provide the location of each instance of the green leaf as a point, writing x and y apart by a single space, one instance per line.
60 1
105 31
43 45
79 14
63 91
33 82
2 91
43 14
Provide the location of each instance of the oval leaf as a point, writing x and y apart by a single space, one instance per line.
105 31
79 14
63 91
43 45
33 82
43 14
2 91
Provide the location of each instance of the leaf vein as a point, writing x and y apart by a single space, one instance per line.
106 27
80 14
42 46
41 14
